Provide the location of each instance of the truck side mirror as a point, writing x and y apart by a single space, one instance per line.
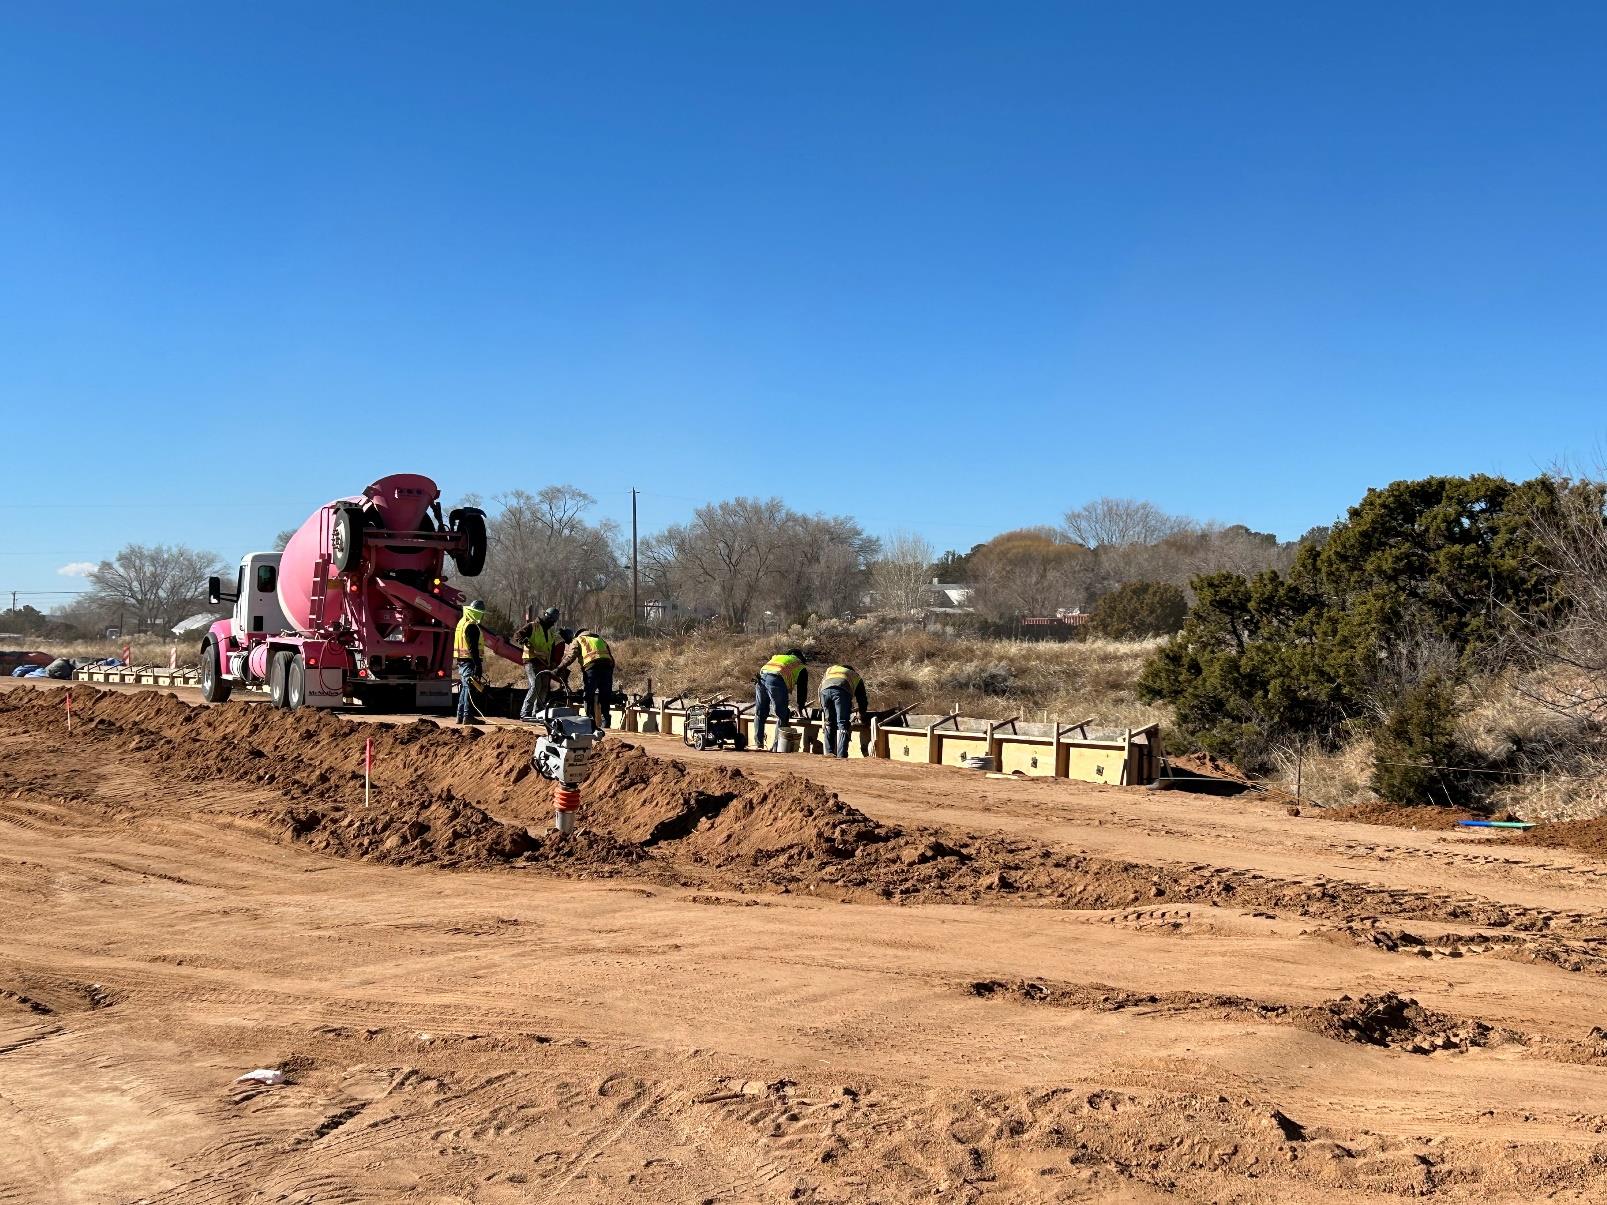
214 591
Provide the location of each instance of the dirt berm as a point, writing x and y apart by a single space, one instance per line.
449 797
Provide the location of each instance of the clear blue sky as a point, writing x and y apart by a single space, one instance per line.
950 267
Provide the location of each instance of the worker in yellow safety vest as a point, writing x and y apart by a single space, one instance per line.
596 672
841 691
540 642
466 652
781 679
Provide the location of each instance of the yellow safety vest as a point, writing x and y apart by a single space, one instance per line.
841 675
460 638
540 643
784 666
592 649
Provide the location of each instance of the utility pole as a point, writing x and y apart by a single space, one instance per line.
636 573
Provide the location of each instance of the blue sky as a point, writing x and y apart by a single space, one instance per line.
946 267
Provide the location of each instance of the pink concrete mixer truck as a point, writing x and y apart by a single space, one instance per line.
356 608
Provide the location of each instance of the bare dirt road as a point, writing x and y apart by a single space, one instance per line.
875 983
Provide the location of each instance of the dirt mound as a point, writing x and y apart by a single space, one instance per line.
645 800
704 826
1391 1020
1385 1020
311 760
792 820
1582 836
1398 815
1207 766
437 832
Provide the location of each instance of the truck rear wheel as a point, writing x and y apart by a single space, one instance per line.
278 669
214 686
296 683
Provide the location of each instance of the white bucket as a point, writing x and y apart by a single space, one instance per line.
789 740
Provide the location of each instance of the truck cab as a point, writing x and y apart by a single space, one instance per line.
256 604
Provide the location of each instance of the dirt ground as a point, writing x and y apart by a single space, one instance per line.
756 978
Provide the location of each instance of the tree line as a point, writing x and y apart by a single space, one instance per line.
756 563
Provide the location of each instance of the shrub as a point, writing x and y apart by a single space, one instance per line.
1446 564
1417 757
1138 609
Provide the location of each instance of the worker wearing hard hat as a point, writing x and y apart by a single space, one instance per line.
781 679
539 639
841 691
596 672
467 652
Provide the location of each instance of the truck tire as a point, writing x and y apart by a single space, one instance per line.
346 540
296 683
278 667
469 524
214 686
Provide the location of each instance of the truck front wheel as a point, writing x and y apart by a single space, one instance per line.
214 686
278 667
296 683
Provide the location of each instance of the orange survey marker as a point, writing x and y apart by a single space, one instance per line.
69 710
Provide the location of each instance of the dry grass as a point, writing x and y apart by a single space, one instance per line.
992 679
1327 778
146 650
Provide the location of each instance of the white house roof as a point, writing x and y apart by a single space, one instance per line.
200 619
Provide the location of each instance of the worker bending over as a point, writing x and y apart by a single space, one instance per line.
540 640
466 651
781 679
596 672
841 691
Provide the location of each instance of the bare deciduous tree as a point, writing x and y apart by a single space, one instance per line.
725 556
1027 573
1565 651
744 555
544 553
902 576
1121 522
153 586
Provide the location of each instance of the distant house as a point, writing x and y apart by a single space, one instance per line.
949 596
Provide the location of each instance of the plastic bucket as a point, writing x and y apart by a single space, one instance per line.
789 740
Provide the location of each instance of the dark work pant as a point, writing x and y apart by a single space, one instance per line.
466 670
597 680
770 693
837 706
536 695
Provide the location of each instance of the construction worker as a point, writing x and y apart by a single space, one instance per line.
539 638
841 691
466 651
781 679
596 672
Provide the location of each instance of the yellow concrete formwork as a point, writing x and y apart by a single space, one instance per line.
1095 763
1033 757
954 747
